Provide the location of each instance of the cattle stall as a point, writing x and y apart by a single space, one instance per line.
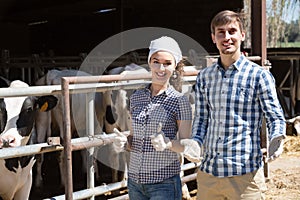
286 70
284 65
89 142
276 69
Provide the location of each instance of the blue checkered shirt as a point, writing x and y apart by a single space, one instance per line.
229 109
146 164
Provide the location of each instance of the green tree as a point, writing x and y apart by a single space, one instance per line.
279 29
294 35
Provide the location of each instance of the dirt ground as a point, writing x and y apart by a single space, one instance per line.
284 173
284 179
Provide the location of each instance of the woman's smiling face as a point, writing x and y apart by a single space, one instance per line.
162 65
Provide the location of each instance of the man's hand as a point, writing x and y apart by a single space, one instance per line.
159 141
275 148
192 150
120 141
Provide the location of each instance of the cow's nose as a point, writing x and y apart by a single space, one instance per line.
7 142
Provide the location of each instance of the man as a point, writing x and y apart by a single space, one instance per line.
232 97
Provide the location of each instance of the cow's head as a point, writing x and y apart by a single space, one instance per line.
17 116
295 122
119 99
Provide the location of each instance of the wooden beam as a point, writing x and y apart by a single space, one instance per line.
259 48
258 30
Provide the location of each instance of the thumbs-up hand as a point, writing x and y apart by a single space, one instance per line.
120 141
159 141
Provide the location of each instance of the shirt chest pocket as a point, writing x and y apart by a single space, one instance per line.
139 113
151 113
243 94
158 114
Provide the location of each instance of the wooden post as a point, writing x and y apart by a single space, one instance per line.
258 46
258 30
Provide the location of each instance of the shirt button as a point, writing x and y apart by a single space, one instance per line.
220 140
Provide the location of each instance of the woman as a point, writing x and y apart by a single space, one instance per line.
160 119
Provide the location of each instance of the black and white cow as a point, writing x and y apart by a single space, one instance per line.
46 121
120 119
120 98
295 122
17 119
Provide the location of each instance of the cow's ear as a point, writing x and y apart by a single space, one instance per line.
4 83
46 103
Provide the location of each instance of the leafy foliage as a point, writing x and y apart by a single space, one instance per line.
282 29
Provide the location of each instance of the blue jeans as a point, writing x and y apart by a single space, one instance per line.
169 189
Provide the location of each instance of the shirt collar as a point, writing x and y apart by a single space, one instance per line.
240 62
167 92
236 65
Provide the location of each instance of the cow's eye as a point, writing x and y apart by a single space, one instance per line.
29 109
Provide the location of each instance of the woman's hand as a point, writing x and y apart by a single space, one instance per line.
159 141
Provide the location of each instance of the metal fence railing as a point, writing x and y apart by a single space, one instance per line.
88 85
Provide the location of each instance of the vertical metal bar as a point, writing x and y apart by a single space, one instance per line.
90 131
292 84
30 80
67 139
297 80
5 60
23 74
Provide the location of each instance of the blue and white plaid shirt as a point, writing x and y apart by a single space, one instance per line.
229 109
146 164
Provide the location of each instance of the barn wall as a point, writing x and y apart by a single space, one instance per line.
15 38
73 26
